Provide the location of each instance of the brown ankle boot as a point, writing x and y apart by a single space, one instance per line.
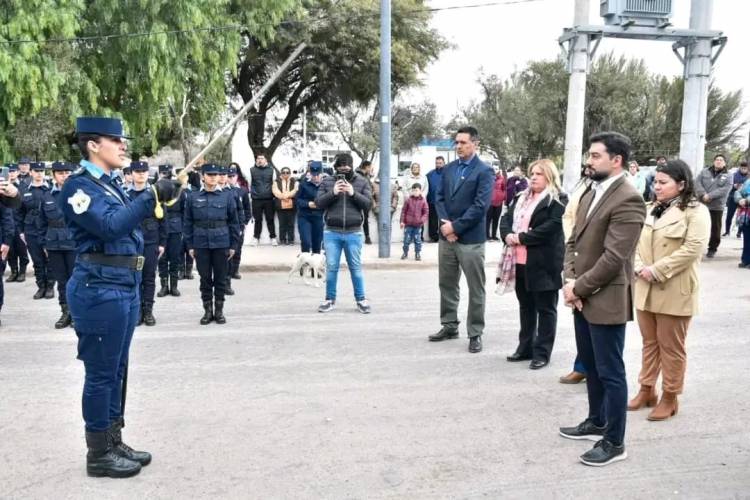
666 408
646 398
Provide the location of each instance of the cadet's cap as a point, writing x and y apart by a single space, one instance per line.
139 166
210 168
231 170
12 167
126 171
223 170
164 169
99 125
62 166
24 159
315 168
37 166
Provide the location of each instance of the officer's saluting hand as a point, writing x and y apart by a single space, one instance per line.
103 292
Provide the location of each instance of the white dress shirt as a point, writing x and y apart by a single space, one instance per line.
599 188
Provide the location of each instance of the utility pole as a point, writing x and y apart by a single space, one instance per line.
304 137
578 66
698 62
384 173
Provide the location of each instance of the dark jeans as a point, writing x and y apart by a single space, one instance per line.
433 226
18 256
261 208
731 209
286 226
578 365
61 264
746 244
310 232
538 314
600 348
170 260
715 240
493 219
212 264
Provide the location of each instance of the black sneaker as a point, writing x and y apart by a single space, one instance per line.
584 430
604 453
327 306
711 254
363 306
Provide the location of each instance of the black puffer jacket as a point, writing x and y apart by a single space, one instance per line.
344 212
261 181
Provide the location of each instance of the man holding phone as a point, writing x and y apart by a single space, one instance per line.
18 256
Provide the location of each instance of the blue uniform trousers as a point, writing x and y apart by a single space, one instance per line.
310 232
213 266
36 250
18 256
2 289
61 264
105 319
170 261
148 284
234 264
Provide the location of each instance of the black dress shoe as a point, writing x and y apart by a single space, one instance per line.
475 344
584 430
445 333
537 364
604 453
516 356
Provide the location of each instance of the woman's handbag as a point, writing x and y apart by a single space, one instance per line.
506 271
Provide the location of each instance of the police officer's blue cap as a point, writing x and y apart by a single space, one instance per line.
12 167
99 125
139 166
126 171
62 166
37 166
163 169
231 170
210 168
316 168
24 159
223 170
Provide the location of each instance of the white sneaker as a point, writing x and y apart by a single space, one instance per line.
274 242
255 242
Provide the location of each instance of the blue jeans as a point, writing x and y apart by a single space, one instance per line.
578 365
600 349
310 232
351 244
413 233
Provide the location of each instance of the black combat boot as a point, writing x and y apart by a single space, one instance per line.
125 451
102 460
140 316
164 291
21 276
147 315
40 292
228 288
13 276
236 275
50 292
65 319
181 272
173 286
219 312
208 315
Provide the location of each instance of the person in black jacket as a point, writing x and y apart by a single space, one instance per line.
7 232
57 240
344 196
10 196
262 176
533 228
31 204
234 176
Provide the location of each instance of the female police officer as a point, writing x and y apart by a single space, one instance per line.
103 292
57 239
212 234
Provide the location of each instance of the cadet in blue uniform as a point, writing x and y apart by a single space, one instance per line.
185 263
170 260
18 257
24 171
212 233
225 186
103 292
7 232
154 239
28 214
57 239
243 197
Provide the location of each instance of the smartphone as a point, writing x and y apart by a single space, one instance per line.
4 174
340 177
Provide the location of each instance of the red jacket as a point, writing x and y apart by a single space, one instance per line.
415 211
498 191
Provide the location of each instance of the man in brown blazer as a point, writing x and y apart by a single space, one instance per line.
598 273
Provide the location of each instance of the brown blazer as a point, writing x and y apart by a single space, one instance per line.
599 253
672 247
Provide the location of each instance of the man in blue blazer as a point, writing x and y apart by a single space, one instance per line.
462 200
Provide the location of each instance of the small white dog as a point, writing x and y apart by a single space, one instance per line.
307 262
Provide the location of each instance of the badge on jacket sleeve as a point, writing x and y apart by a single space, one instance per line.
80 202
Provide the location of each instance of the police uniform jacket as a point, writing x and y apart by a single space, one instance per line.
54 233
154 231
211 220
173 214
104 220
30 211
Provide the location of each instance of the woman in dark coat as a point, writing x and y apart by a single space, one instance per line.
533 232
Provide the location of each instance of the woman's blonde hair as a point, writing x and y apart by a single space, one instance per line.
549 171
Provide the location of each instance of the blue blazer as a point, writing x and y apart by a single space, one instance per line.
465 202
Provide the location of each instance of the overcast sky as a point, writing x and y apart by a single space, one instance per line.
500 39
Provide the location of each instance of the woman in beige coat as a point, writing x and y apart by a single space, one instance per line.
666 288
